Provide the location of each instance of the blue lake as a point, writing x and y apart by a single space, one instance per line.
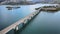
8 17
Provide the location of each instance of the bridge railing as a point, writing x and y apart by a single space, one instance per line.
22 21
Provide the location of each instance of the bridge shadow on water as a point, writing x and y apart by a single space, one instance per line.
29 22
21 29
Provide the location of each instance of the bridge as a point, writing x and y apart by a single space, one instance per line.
23 21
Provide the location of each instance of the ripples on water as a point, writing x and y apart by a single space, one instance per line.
8 17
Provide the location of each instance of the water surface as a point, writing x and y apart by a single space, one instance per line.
44 22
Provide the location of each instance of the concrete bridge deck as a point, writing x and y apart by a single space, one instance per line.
23 21
43 23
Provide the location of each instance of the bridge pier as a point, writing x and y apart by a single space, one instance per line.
30 18
23 21
16 28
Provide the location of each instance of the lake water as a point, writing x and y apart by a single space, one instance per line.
44 22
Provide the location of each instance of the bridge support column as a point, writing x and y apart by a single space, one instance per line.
23 24
16 28
25 21
30 17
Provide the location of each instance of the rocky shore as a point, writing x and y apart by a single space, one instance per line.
49 8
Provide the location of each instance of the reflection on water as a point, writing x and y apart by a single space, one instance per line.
9 17
12 7
50 11
43 23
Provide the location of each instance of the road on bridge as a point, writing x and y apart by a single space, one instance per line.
43 23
